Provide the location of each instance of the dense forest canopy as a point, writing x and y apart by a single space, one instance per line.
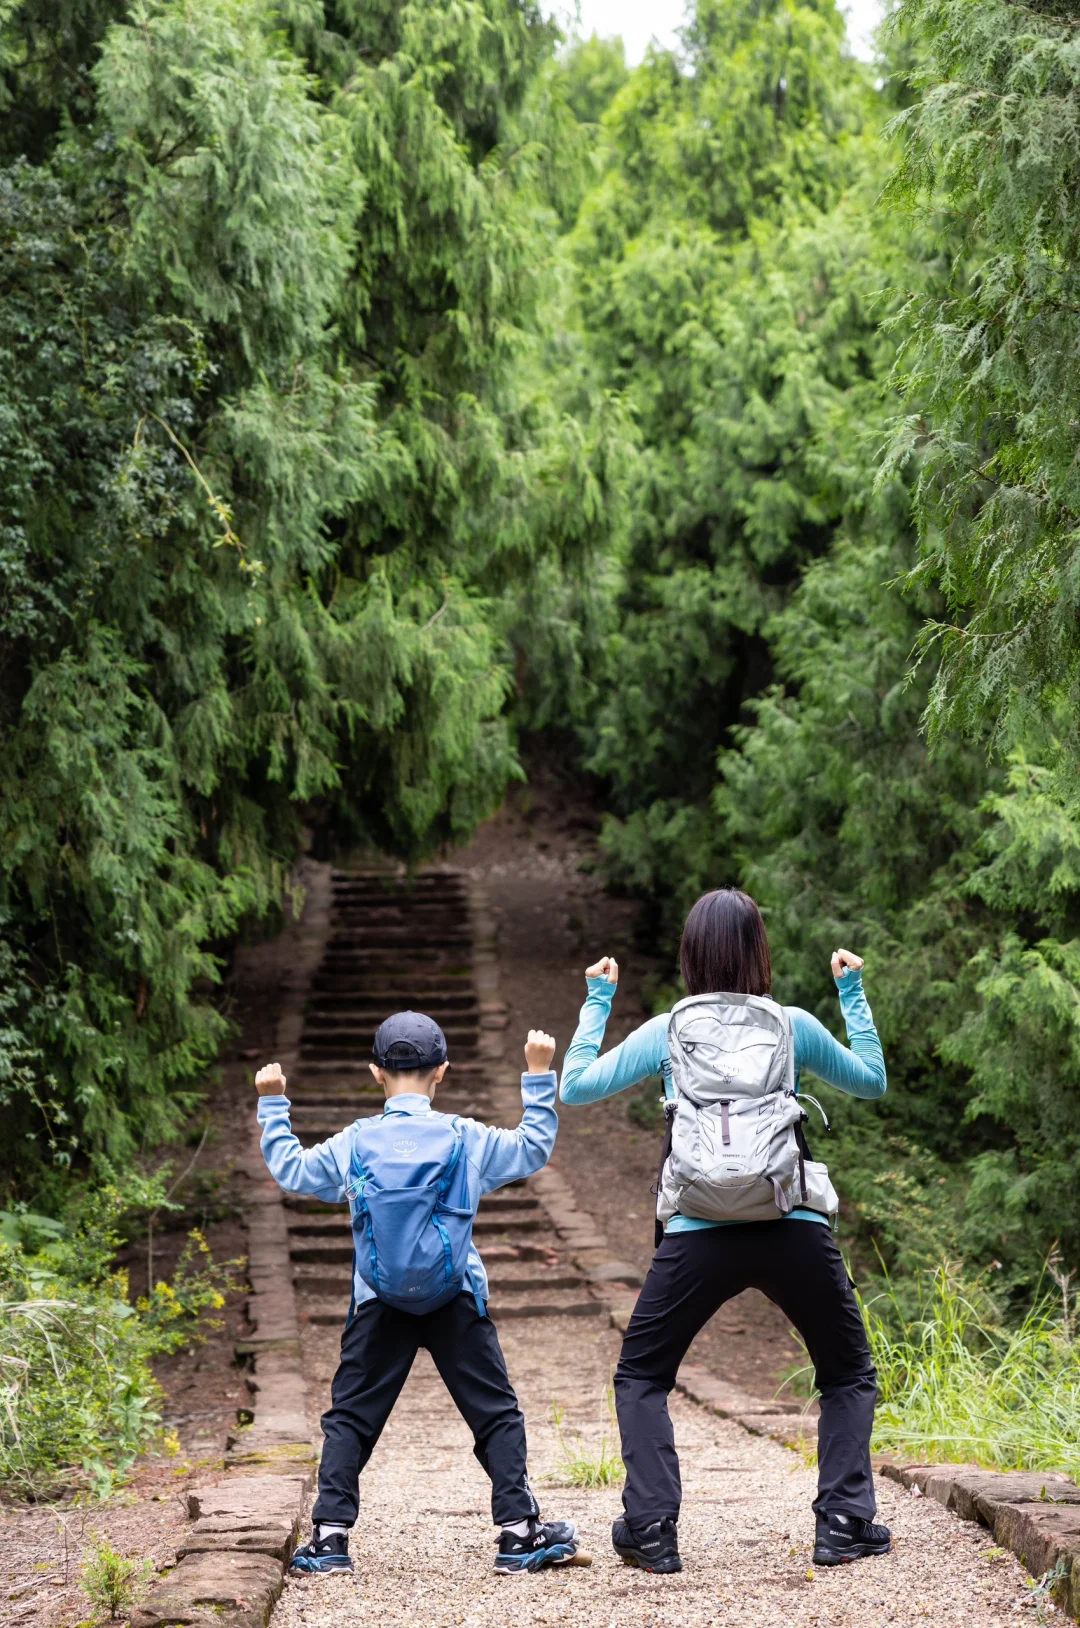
381 381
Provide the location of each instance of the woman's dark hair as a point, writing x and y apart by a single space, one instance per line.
725 948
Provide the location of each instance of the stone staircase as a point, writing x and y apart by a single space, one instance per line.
394 943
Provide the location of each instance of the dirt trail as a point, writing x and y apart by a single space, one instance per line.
424 1546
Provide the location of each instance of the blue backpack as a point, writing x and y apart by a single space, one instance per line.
411 1218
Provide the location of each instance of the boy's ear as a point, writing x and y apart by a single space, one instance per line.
377 1074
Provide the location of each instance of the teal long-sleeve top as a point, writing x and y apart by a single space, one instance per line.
858 1068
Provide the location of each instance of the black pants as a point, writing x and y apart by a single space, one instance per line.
377 1351
798 1265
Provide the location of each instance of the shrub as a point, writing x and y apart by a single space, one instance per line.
111 1580
645 1107
78 1398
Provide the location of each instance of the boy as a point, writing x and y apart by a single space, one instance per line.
414 1179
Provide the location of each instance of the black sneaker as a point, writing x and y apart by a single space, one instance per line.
841 1538
655 1548
551 1543
330 1553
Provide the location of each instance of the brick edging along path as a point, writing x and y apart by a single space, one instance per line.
231 1563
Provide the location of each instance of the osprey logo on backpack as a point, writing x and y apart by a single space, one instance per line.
735 1155
411 1212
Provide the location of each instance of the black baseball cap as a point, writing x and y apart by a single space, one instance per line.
408 1041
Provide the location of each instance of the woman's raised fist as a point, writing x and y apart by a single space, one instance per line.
607 967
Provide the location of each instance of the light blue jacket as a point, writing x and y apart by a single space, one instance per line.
493 1157
587 1077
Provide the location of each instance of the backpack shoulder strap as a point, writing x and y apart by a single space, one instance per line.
354 1187
454 1159
789 1036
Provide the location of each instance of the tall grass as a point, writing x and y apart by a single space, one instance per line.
581 1468
956 1384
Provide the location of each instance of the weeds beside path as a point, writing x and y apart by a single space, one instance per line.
956 1385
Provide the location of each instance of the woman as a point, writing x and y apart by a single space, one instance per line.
701 1264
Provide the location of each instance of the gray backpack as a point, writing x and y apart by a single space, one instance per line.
736 1153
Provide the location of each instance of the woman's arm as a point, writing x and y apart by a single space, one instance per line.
587 1077
860 1071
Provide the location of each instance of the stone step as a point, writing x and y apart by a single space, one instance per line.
554 1303
449 902
332 1241
389 888
496 1211
306 1106
367 1003
320 1045
438 912
397 948
321 1254
511 1224
356 936
361 954
396 927
420 881
392 988
328 1253
339 1284
421 885
302 1205
444 902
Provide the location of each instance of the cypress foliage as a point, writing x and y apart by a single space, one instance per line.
266 456
375 378
739 672
993 144
725 278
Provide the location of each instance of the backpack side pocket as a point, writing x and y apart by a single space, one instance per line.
820 1192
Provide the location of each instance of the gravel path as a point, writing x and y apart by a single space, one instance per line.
424 1546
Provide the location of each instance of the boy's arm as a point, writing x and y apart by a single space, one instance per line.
504 1156
315 1171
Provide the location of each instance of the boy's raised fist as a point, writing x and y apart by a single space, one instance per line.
539 1050
270 1081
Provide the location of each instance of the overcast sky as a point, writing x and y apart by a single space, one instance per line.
639 21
